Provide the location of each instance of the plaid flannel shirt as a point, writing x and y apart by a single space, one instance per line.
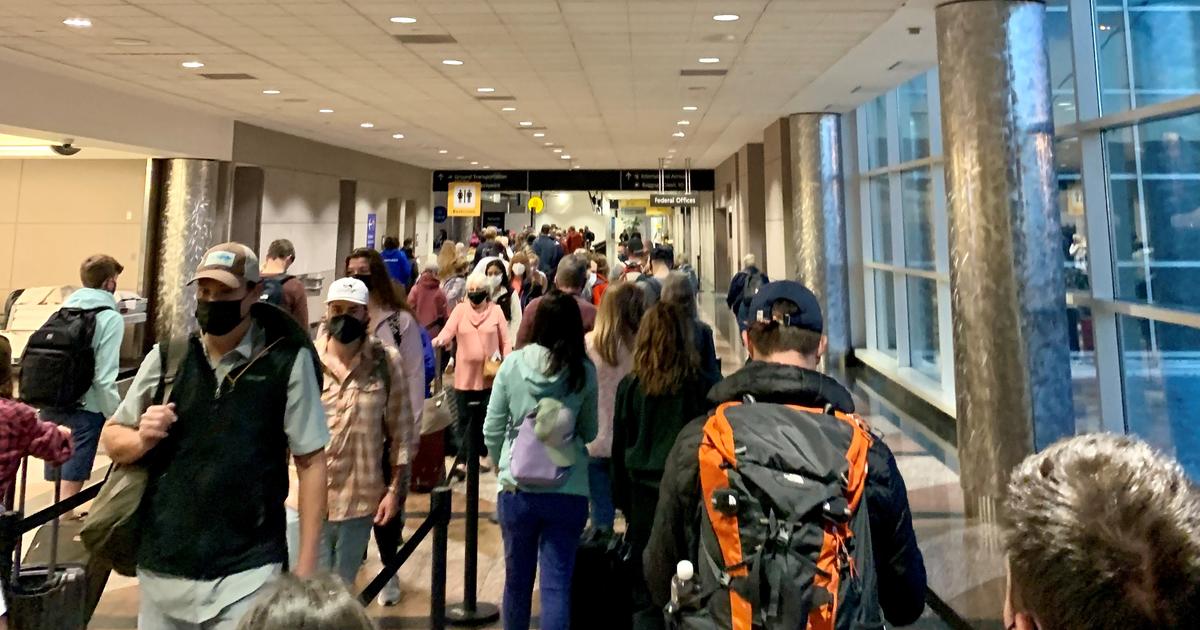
363 410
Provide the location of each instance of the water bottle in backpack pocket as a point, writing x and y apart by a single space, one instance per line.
544 449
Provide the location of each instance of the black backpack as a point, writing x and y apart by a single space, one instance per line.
273 289
59 365
754 282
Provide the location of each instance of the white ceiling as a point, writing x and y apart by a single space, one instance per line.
602 76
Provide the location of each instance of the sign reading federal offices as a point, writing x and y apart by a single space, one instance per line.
672 200
644 180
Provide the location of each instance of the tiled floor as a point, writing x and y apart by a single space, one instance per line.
961 559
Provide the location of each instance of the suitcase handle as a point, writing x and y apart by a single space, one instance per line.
54 523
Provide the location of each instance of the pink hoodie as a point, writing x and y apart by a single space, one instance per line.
479 336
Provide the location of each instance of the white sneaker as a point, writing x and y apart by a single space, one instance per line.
391 593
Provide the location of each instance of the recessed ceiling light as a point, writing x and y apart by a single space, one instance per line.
474 163
548 144
367 125
443 151
709 60
325 111
725 17
683 122
78 22
270 92
508 109
403 20
526 123
558 150
485 90
486 166
451 62
130 41
458 157
192 64
678 134
539 135
398 136
690 108
564 157
671 150
577 166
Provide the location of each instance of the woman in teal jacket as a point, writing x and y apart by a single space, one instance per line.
554 366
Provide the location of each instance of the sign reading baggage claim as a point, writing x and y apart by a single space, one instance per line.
672 200
464 199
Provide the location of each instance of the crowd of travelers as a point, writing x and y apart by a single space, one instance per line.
745 497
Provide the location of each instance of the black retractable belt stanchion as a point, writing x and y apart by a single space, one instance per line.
472 612
440 510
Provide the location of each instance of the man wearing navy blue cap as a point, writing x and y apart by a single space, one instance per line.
784 336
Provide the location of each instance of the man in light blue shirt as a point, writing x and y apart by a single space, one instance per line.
246 395
99 275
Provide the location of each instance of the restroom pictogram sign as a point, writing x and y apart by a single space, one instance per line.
464 199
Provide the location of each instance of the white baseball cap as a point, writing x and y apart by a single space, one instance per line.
348 290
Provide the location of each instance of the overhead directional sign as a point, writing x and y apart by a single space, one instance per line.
490 181
671 200
464 199
571 179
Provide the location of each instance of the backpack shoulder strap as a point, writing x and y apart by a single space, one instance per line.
171 355
717 455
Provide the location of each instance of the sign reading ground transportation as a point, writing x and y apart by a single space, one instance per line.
671 200
490 181
572 179
464 199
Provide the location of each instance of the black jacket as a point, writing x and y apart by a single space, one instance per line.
738 284
899 565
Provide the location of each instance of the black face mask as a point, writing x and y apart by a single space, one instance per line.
477 297
364 278
219 318
347 328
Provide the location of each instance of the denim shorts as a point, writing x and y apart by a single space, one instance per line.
85 435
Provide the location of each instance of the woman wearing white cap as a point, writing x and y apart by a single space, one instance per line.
366 402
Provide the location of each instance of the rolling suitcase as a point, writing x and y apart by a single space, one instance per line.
49 595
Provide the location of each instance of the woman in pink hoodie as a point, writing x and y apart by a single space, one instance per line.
481 334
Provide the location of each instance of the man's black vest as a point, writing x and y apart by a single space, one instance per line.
214 503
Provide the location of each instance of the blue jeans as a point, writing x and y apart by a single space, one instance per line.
85 436
600 489
546 528
343 545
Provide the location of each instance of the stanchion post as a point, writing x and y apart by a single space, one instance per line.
439 507
470 612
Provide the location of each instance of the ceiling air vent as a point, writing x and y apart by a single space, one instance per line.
703 73
227 76
425 39
496 98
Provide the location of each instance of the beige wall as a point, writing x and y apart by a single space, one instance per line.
780 241
55 213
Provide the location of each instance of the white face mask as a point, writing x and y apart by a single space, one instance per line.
493 281
519 269
591 277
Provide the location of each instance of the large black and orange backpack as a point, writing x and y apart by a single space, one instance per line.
785 541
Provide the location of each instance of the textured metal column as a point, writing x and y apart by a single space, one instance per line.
183 230
818 212
1011 363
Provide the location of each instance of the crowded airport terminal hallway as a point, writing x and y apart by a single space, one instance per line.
599 314
927 460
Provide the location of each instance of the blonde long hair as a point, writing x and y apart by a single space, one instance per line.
446 259
617 320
